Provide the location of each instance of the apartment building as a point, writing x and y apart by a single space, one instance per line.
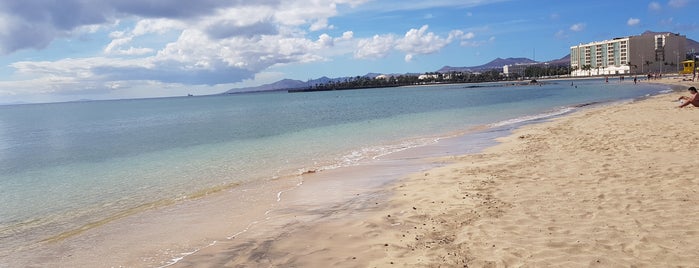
638 54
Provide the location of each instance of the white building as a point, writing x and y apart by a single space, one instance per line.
639 54
427 76
520 68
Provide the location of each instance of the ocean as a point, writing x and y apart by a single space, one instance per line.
68 167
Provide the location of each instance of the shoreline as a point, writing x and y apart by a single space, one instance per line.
309 196
518 203
357 208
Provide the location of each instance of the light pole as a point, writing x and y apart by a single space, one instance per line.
677 61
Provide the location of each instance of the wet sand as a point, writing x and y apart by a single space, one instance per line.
611 186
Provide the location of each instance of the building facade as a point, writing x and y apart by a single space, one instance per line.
516 69
519 69
639 54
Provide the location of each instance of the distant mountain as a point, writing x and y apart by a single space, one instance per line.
287 84
281 84
494 64
562 61
692 46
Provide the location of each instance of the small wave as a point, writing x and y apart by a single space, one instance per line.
369 153
279 194
175 260
526 118
376 152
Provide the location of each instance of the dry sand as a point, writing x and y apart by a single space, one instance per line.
612 186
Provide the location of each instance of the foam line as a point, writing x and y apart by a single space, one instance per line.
526 118
174 261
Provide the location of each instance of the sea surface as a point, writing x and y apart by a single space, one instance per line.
67 166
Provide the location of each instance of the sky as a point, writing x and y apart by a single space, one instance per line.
66 50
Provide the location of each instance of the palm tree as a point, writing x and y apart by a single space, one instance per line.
587 67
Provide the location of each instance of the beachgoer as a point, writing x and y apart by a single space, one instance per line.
693 99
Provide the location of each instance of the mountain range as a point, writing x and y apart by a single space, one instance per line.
497 63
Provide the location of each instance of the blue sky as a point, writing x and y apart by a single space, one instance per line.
110 49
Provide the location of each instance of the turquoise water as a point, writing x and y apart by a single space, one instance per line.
65 165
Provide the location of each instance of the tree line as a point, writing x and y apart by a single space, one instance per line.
492 75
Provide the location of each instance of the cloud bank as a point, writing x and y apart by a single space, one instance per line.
205 42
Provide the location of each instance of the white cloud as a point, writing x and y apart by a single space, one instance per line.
378 46
577 27
122 39
63 76
460 35
561 34
326 40
633 22
414 42
321 24
678 3
116 44
347 35
477 43
208 43
157 26
667 22
133 51
296 13
117 34
419 41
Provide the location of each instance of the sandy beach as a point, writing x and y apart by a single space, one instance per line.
611 186
608 186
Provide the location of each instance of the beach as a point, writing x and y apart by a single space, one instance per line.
609 186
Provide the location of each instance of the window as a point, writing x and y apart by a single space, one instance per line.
659 42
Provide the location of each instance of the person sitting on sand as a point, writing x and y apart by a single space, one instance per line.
693 99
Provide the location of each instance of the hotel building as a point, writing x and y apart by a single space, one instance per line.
639 54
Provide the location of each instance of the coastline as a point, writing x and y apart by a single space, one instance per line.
606 186
304 230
